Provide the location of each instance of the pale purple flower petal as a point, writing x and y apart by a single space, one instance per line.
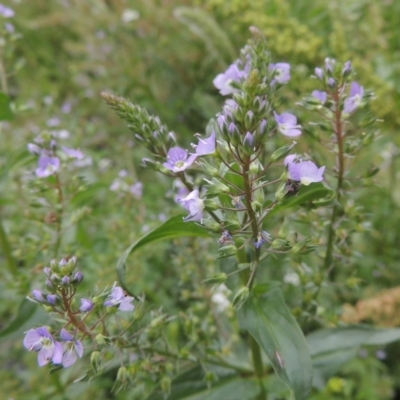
206 146
319 95
223 81
6 12
287 124
47 166
73 153
194 205
125 304
86 305
319 73
289 159
69 357
306 172
354 99
178 159
66 336
282 73
34 149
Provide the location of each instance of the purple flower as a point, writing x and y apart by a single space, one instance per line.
194 205
136 190
329 64
38 296
289 159
6 12
47 166
41 341
34 148
117 297
86 305
287 124
52 122
355 98
73 153
306 172
319 73
223 81
281 73
52 299
206 146
72 349
66 107
9 27
319 95
178 160
331 82
346 68
261 239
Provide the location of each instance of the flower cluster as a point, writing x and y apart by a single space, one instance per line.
62 281
49 161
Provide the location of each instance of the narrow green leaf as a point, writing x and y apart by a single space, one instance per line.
332 348
5 110
315 194
267 318
28 311
192 386
170 229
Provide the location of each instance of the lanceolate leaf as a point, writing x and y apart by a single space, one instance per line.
28 314
170 229
331 348
5 110
267 318
192 386
315 194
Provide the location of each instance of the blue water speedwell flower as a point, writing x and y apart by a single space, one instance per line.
41 341
355 98
261 239
6 12
178 159
86 305
223 81
287 124
117 297
72 349
319 95
206 146
281 73
34 148
73 153
306 172
289 159
47 166
319 73
194 205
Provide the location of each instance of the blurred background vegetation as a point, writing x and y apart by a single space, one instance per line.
164 55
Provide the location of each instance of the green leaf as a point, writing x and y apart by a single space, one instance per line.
331 348
28 312
5 110
192 386
315 194
267 318
170 229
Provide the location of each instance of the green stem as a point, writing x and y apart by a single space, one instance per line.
339 133
6 249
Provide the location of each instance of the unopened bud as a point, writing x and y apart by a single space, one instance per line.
227 251
211 225
240 297
281 192
122 374
281 244
95 360
216 279
282 152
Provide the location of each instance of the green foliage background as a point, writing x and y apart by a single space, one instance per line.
165 60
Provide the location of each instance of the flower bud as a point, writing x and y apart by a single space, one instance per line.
371 171
248 144
256 167
280 153
86 305
211 225
249 120
281 192
231 224
38 296
240 297
216 279
211 205
47 271
95 360
227 251
122 375
281 244
208 168
165 385
78 276
65 281
100 339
